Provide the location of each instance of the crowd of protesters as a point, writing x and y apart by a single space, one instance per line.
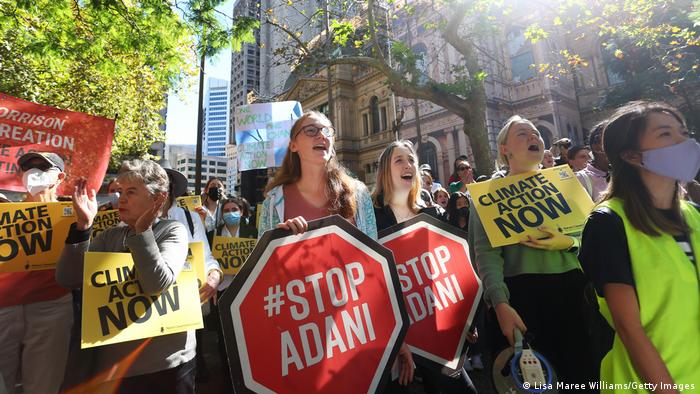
618 303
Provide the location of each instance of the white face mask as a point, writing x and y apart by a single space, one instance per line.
36 181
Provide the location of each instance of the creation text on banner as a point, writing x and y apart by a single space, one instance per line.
189 202
231 252
32 235
83 141
262 133
115 308
513 207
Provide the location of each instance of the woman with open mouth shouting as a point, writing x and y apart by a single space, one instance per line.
312 184
536 286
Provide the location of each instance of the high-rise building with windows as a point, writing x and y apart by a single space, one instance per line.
216 118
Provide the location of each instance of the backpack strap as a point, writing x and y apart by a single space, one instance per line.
190 223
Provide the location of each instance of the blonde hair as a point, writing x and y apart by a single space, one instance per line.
502 160
384 187
339 187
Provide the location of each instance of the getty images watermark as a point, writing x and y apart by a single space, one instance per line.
603 385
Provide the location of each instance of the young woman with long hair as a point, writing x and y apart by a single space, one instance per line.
396 198
311 183
537 285
212 196
640 248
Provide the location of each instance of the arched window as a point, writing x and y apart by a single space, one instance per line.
421 52
520 52
428 155
546 136
374 113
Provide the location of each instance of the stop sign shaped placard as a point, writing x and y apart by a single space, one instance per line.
440 288
320 312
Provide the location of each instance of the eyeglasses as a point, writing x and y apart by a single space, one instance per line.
462 168
312 131
41 165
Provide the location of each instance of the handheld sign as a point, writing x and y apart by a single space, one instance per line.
439 284
83 141
513 207
32 235
231 252
195 257
104 220
319 312
189 202
115 309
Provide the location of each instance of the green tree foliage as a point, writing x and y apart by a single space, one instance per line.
112 59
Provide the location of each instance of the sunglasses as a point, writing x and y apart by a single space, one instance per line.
43 166
462 168
312 131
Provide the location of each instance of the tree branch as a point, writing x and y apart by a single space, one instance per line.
304 47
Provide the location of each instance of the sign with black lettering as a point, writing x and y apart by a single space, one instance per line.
32 235
514 207
319 312
231 252
104 220
116 309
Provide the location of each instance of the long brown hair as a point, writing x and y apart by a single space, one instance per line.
622 134
384 187
340 188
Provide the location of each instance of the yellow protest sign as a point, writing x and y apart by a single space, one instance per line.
189 202
514 207
104 220
32 235
115 308
231 252
195 257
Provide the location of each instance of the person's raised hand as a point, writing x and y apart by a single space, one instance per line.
202 213
145 221
555 240
508 320
84 204
208 289
297 225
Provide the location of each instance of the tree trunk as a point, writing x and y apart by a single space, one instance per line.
475 129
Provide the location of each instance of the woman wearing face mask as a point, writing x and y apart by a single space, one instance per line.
458 210
396 198
537 285
312 184
211 197
36 313
640 249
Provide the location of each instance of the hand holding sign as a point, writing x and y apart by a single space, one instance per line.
297 225
84 204
145 221
555 240
208 290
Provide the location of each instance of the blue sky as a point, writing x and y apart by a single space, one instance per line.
181 123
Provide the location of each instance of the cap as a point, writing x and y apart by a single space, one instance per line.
563 141
49 157
425 167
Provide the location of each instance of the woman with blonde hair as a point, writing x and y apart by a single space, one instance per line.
396 198
537 285
312 184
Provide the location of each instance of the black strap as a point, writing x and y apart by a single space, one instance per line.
189 220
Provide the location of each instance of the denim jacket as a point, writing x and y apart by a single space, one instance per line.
273 210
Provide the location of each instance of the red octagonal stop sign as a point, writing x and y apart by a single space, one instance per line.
319 312
439 284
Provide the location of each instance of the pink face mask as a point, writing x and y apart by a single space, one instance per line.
680 162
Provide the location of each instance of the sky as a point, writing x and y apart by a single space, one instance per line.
181 122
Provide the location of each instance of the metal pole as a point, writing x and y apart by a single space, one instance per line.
200 129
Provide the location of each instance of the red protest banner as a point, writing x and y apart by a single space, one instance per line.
320 312
83 141
440 287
